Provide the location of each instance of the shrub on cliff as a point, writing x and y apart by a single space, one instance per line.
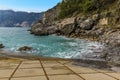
68 7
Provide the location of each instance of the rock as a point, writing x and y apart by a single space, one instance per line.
29 30
51 15
45 31
87 24
104 55
2 46
25 48
111 53
96 17
112 38
40 29
40 32
67 29
103 21
36 26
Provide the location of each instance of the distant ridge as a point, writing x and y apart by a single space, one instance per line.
10 18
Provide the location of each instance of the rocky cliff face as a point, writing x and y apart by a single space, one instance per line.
102 25
47 24
51 15
9 18
96 24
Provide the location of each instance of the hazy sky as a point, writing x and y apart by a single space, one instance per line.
28 5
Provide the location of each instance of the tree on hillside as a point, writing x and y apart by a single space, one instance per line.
68 7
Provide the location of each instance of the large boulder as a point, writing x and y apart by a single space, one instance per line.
111 53
87 24
39 29
25 48
68 29
2 46
45 31
40 32
36 26
103 21
112 38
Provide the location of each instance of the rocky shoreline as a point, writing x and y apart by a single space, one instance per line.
10 54
86 29
91 63
93 60
103 27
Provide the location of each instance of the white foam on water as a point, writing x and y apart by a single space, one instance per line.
73 44
50 46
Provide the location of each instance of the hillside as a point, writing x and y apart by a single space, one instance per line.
10 18
83 15
97 20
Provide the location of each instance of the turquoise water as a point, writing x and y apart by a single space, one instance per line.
50 46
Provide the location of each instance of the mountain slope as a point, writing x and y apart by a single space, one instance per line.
10 18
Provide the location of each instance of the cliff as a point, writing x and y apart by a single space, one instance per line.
47 24
92 19
10 18
51 15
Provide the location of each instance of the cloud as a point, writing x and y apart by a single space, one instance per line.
6 7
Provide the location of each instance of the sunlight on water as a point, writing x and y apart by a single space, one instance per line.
50 46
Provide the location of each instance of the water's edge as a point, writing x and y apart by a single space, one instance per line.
47 46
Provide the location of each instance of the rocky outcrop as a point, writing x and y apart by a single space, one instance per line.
39 29
111 54
47 25
25 48
1 46
87 24
102 25
67 29
51 15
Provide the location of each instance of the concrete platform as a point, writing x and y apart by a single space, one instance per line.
43 69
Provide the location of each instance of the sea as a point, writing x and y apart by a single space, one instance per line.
46 46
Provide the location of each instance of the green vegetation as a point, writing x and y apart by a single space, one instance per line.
68 7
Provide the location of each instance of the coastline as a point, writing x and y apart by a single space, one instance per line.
73 28
19 55
102 25
9 54
85 62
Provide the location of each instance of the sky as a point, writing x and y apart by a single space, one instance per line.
28 5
